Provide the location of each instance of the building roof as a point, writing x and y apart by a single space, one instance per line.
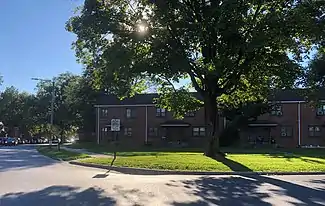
288 95
107 99
145 99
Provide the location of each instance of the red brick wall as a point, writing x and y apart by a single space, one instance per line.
139 121
309 117
289 118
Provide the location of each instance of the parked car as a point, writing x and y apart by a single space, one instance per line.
55 141
10 141
37 141
20 141
26 141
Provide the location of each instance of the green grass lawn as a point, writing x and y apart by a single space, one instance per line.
257 160
60 155
127 149
198 162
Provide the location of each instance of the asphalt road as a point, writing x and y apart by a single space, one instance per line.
29 179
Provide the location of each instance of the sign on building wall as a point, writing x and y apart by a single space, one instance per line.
115 125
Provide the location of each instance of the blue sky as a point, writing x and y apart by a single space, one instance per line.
33 41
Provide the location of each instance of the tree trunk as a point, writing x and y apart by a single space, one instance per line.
212 122
61 140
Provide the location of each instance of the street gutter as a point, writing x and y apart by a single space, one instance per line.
142 171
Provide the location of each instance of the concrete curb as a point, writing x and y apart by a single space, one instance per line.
142 171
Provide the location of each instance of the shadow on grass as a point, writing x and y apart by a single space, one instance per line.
130 148
294 152
109 148
247 190
131 154
233 165
60 154
302 154
58 195
304 158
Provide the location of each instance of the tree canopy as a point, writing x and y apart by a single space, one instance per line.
315 72
73 108
221 46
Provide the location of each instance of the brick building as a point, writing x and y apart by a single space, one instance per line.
292 122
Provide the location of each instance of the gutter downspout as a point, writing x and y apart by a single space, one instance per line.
98 129
299 124
146 127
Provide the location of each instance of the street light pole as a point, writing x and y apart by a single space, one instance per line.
52 111
52 104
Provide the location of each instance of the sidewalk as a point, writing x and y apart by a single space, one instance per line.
83 151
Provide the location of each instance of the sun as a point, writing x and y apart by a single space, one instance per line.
142 28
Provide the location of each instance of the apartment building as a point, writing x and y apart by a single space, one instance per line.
291 123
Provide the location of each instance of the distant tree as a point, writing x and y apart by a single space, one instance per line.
314 79
18 109
81 97
64 118
315 73
10 107
221 46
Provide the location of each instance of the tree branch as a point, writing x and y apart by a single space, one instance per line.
190 65
169 82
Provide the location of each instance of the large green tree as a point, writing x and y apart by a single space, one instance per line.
81 97
221 46
73 106
64 118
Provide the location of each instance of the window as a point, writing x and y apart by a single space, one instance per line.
104 112
190 114
314 131
160 112
130 113
276 110
153 132
286 131
198 131
128 131
320 110
105 131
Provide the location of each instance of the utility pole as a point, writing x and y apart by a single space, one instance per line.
52 111
52 104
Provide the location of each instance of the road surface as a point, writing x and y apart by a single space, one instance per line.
30 179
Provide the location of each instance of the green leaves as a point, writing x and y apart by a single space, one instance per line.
179 101
232 51
17 109
315 75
